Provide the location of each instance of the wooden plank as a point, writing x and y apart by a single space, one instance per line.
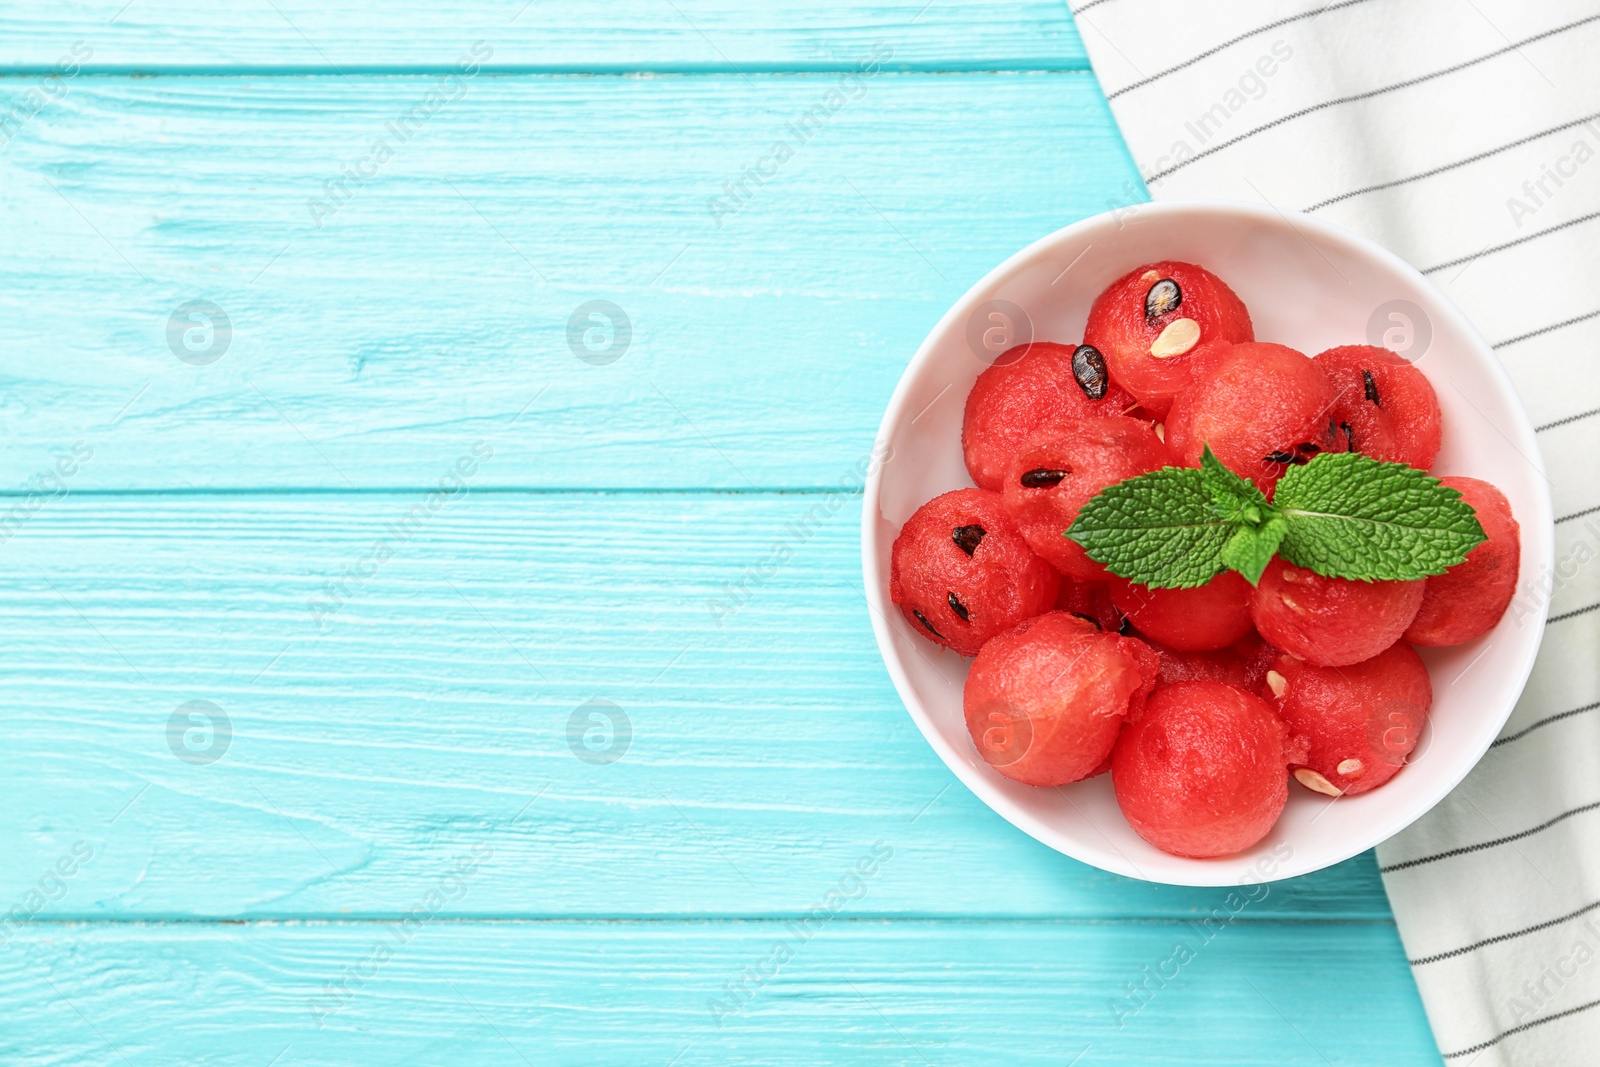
433 306
582 35
431 713
838 992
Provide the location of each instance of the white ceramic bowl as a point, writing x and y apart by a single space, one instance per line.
1308 285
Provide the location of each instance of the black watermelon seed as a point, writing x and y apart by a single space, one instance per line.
1089 368
1370 383
1042 479
1280 457
1349 435
1164 296
926 625
968 537
958 607
1090 619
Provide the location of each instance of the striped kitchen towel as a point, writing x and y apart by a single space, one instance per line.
1465 136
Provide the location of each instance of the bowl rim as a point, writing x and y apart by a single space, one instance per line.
1204 872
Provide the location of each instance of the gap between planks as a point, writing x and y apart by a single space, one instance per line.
927 919
595 70
418 490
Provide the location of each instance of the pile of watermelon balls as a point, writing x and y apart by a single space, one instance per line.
1201 702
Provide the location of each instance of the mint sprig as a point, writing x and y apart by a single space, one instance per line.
1344 515
1163 523
1249 550
1352 517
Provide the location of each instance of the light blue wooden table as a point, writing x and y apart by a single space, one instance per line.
514 745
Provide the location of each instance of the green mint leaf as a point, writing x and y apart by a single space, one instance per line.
1234 497
1349 516
1159 529
1249 550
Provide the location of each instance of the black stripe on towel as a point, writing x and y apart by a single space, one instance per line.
1571 614
1525 731
1579 514
1486 154
1562 422
1541 331
1480 846
1496 1039
1489 250
1229 43
1498 938
1408 83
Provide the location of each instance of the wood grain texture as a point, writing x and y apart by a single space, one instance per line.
433 306
579 35
430 713
402 743
873 992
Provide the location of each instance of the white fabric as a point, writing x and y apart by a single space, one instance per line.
1464 135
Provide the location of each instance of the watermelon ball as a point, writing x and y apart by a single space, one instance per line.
1360 722
1331 622
1151 323
1044 702
1386 408
1028 388
962 572
1057 472
1202 772
1217 665
1260 406
1468 599
1244 664
1213 615
1091 601
1257 656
